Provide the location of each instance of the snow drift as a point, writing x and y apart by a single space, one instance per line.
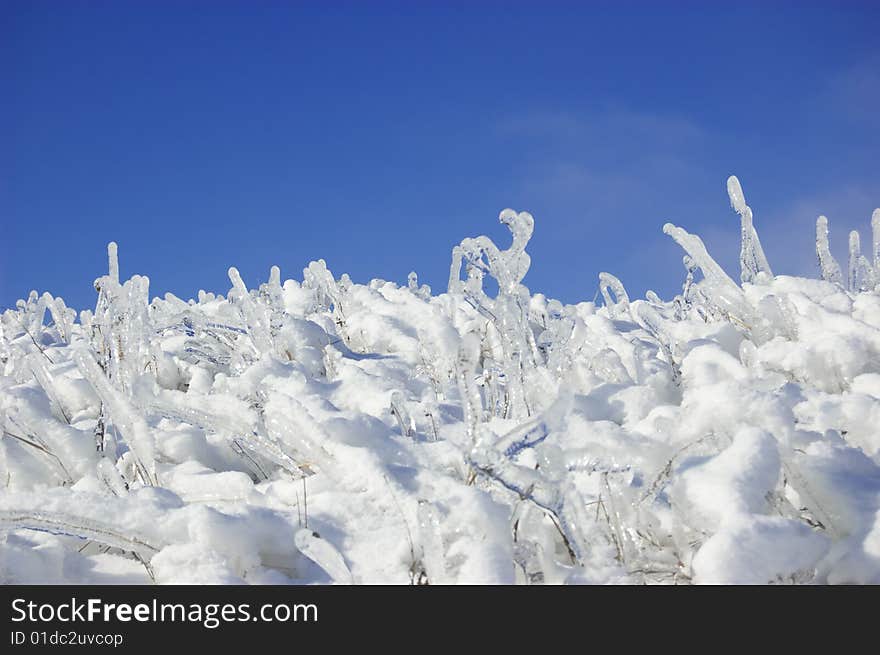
330 432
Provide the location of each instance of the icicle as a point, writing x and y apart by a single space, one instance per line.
875 236
861 273
827 264
271 293
752 258
275 276
237 283
854 281
113 262
852 278
455 284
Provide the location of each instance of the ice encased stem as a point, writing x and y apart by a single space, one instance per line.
113 262
619 307
752 258
827 264
875 241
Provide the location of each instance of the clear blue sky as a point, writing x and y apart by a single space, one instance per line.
378 135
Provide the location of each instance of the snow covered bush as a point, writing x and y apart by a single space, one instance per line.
326 431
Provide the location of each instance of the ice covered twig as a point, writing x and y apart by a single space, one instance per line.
651 320
322 553
720 290
125 417
861 274
828 266
113 262
412 283
37 444
875 241
42 375
254 316
752 258
76 526
400 412
470 396
562 504
619 306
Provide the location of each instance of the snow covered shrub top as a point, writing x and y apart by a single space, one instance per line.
328 431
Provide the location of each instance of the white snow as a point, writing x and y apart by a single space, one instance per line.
325 431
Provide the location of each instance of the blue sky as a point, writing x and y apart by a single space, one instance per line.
377 135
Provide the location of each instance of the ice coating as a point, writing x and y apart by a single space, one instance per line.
275 277
853 267
722 292
123 414
509 266
619 306
238 285
74 526
875 238
431 545
827 264
114 262
735 193
324 555
752 258
332 431
516 260
423 292
400 412
861 274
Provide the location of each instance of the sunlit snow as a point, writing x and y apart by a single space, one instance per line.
325 431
